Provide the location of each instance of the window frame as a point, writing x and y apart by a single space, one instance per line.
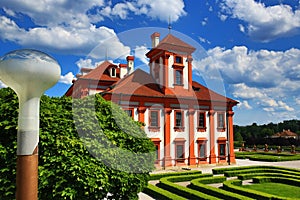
202 142
179 142
180 59
222 145
154 128
129 109
181 127
178 80
113 72
221 122
199 127
156 142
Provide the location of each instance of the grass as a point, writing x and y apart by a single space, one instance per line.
277 189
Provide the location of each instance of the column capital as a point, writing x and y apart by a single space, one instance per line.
141 109
191 111
230 113
168 110
211 112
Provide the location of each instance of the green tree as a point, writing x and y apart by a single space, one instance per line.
80 149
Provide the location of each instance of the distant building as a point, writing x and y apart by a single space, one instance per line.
285 134
188 123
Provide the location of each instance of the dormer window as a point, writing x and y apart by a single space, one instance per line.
113 72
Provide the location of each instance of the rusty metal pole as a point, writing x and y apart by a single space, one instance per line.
27 176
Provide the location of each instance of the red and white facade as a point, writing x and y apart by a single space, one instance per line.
188 123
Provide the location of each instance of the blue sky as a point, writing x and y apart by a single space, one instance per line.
248 50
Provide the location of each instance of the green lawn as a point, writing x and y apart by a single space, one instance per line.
278 189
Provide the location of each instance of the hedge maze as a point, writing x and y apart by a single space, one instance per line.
223 183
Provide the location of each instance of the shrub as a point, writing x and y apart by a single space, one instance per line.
200 185
69 165
161 175
159 193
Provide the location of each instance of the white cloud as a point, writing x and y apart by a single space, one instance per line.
244 105
203 40
204 21
155 9
85 63
54 13
66 26
242 28
2 85
264 23
140 53
67 78
79 41
268 80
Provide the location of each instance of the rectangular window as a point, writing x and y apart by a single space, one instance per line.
156 142
154 118
178 59
113 72
179 151
178 77
222 151
201 120
202 151
221 120
129 111
178 119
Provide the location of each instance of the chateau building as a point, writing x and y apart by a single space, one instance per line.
188 123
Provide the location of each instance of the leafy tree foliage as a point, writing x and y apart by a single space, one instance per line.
259 134
84 149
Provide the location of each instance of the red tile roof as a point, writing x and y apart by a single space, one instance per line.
170 42
285 133
138 83
101 73
141 83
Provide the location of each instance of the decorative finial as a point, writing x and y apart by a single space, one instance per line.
169 25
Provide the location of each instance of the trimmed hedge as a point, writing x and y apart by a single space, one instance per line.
189 193
222 170
284 180
260 170
250 176
200 185
159 193
162 175
182 178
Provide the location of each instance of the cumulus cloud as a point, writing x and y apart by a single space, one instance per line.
54 13
68 26
140 53
262 68
244 105
264 23
67 78
263 78
65 40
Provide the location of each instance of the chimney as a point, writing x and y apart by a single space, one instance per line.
123 70
155 39
130 64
